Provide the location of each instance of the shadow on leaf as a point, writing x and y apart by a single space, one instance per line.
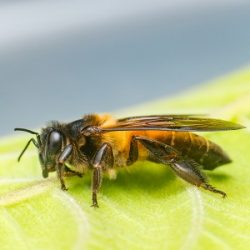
149 178
218 176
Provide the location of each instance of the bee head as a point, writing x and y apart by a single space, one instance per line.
49 144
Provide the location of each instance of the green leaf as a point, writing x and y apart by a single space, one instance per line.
146 207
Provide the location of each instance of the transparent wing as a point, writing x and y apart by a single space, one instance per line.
171 122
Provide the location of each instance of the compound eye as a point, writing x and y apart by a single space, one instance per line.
55 142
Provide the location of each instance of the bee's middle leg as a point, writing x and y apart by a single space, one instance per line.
133 151
103 159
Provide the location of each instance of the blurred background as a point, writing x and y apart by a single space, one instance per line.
60 59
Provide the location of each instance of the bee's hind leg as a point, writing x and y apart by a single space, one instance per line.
190 171
186 168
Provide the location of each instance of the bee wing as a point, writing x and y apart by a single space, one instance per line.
171 122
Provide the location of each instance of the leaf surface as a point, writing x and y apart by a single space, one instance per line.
146 207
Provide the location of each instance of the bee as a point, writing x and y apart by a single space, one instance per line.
101 143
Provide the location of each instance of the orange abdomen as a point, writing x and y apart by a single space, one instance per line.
198 148
193 146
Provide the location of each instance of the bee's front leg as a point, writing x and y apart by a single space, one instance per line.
103 159
60 167
69 172
60 174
